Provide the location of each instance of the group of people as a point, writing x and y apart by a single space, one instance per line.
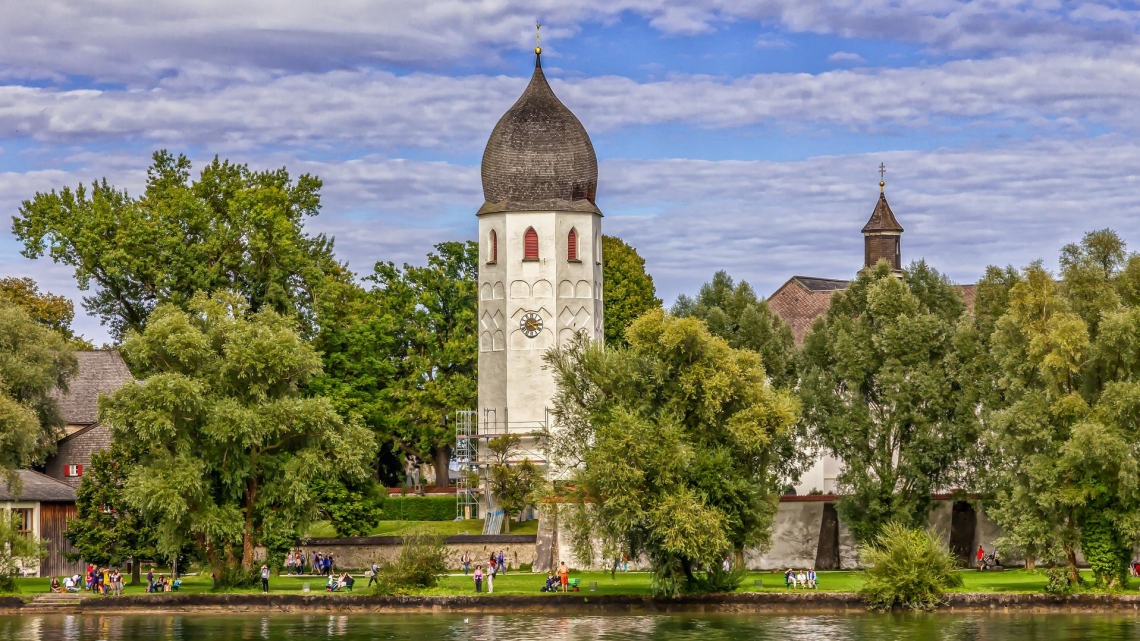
991 560
95 579
338 583
559 581
162 583
496 564
805 579
319 564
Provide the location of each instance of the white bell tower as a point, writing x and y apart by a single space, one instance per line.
540 263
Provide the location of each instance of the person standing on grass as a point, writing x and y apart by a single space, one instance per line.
490 576
503 561
564 576
372 578
981 555
264 579
466 561
478 579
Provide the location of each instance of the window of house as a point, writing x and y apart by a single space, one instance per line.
73 470
572 245
25 520
493 242
530 244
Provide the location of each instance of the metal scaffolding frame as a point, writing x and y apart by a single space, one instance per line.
466 457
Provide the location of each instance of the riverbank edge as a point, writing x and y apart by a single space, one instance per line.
820 602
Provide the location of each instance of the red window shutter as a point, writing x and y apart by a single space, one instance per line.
572 245
79 470
530 245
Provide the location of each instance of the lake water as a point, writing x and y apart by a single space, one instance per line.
706 627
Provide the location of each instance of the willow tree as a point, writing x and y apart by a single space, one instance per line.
1064 436
668 445
227 446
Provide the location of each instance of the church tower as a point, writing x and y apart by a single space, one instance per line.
882 234
540 263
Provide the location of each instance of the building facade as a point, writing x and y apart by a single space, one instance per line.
540 263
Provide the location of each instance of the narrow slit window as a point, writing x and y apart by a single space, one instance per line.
493 241
572 245
530 244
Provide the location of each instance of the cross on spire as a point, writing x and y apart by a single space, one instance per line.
537 37
882 176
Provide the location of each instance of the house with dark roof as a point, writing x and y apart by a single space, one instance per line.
43 506
100 372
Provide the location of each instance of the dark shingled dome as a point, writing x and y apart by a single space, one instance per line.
539 157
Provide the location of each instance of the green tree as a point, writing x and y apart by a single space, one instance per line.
733 312
513 485
629 289
227 445
16 551
406 356
667 445
50 310
106 529
882 389
1063 434
231 230
34 363
353 508
907 567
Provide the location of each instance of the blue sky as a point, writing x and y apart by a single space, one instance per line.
731 135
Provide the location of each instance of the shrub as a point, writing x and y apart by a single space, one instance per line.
16 550
907 568
235 578
420 563
1060 581
419 508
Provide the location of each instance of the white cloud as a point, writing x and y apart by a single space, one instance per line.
846 57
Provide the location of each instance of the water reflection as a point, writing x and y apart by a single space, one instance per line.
712 627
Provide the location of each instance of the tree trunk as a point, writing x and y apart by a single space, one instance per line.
247 535
1074 573
507 525
442 456
738 559
1030 562
136 571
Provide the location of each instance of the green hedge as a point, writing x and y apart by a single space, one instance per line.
419 508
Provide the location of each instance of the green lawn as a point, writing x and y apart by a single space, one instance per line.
443 528
628 583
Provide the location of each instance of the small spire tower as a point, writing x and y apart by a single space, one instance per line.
882 234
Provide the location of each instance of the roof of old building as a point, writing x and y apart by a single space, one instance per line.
802 299
100 372
882 219
36 487
539 156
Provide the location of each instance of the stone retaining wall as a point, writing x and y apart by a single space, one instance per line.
817 602
358 553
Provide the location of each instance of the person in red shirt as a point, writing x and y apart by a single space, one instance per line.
981 555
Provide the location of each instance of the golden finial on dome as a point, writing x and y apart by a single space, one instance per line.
537 34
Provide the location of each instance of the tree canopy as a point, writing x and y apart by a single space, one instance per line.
227 444
34 362
733 312
883 389
50 310
629 289
230 230
1063 431
668 446
406 357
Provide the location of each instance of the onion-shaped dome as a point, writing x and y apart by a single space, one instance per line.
539 157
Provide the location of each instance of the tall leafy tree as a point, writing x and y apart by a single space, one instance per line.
34 362
50 310
406 357
629 289
668 448
228 446
513 484
106 529
232 229
1064 434
733 312
882 388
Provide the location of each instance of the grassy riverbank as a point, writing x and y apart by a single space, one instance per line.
628 583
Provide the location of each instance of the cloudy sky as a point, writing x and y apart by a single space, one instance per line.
731 134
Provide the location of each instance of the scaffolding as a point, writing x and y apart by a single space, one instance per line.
466 458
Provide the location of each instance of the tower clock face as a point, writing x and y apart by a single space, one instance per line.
530 324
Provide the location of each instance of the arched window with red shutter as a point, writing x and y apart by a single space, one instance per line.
530 244
572 245
493 241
